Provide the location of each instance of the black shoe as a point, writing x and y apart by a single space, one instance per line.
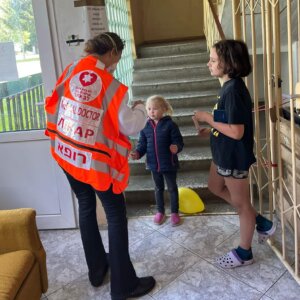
97 279
145 285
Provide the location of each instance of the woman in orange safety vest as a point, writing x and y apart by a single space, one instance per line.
88 121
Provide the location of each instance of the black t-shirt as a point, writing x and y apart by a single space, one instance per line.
229 153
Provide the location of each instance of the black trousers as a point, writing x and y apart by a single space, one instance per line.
170 177
123 276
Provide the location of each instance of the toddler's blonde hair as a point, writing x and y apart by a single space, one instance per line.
161 102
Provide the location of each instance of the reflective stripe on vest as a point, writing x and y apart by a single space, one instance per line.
83 159
109 94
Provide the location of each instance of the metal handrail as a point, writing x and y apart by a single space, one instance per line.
216 19
23 111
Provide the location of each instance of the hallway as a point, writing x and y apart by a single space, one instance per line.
180 258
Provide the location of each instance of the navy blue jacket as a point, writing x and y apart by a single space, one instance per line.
155 141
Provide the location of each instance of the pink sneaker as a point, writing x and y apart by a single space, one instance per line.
159 218
175 219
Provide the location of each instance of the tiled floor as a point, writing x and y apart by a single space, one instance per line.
180 258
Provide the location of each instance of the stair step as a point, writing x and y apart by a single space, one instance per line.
187 131
190 158
174 48
188 111
177 86
188 99
192 179
183 116
176 73
175 60
195 141
193 101
144 202
185 166
190 137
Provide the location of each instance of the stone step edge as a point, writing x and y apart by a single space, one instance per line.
154 80
184 80
148 196
186 131
170 57
174 44
182 180
190 113
188 95
197 80
182 159
185 155
172 68
150 188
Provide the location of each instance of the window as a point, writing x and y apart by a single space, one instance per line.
21 85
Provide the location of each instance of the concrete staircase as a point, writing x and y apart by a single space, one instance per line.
178 72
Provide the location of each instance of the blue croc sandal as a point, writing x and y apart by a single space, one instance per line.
231 260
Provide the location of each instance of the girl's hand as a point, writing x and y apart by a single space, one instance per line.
201 116
204 132
134 155
174 149
198 128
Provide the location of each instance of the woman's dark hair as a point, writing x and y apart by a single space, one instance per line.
104 43
234 57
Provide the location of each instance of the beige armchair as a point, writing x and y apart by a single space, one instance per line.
23 273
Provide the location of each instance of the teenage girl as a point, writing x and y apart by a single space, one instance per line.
231 139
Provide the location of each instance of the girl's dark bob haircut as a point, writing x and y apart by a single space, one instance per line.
234 57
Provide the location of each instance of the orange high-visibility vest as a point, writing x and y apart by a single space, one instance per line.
83 125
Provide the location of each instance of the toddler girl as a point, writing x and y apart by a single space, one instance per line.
161 140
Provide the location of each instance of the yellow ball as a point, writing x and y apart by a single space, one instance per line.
189 201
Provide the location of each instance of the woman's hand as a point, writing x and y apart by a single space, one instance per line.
134 155
135 103
174 148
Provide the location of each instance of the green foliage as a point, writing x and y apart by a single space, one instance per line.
17 23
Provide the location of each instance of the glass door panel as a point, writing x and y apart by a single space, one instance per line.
21 84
